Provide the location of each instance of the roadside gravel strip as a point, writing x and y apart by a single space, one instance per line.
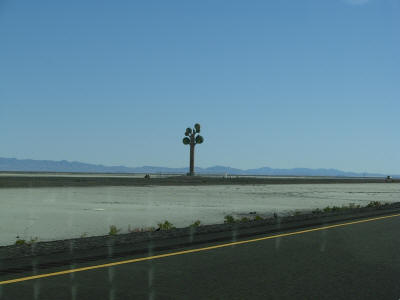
20 258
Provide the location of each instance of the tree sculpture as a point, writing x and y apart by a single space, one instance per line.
192 138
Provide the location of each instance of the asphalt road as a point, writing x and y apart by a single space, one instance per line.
357 261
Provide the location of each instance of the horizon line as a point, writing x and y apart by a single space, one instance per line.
199 167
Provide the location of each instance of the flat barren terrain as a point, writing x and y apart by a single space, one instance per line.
59 212
71 179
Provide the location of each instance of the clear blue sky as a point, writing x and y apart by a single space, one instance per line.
311 83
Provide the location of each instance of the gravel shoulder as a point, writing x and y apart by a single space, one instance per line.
20 258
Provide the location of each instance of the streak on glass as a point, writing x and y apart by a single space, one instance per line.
74 291
111 275
277 240
36 285
151 295
36 289
323 241
234 235
192 230
110 247
73 285
112 294
150 277
71 247
72 274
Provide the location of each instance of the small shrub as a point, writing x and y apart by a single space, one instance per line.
196 224
229 219
114 230
258 218
165 226
33 240
244 220
350 206
374 204
20 242
335 208
316 211
83 235
327 209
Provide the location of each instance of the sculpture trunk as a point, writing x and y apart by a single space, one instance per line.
192 156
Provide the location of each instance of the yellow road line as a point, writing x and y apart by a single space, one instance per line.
189 251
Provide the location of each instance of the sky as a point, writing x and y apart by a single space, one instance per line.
284 84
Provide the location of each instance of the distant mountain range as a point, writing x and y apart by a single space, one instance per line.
29 165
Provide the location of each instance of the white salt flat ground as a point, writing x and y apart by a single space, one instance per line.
58 213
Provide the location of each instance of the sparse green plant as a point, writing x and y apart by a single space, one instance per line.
83 235
32 240
165 226
20 242
229 219
297 212
244 220
196 224
327 209
335 208
114 230
316 211
258 218
374 204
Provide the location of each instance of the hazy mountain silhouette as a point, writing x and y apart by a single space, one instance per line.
30 165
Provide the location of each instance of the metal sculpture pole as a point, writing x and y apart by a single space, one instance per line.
192 138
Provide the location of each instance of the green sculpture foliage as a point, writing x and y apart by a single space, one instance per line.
197 127
199 139
192 134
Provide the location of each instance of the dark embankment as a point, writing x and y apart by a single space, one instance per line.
62 181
